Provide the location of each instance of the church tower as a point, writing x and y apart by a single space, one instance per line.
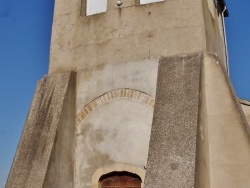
137 95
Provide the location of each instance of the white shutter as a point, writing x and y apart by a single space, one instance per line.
96 7
142 2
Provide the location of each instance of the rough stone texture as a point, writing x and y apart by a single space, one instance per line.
114 116
172 150
43 126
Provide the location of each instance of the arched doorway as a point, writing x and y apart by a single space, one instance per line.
120 180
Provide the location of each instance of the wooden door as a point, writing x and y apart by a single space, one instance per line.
120 180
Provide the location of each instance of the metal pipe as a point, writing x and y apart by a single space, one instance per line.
225 39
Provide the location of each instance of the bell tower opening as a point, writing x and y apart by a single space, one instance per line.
120 180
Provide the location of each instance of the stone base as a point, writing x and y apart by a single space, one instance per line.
200 137
44 157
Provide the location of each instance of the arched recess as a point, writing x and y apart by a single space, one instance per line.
115 94
117 167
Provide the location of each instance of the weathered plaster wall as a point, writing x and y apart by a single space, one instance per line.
228 131
44 123
60 172
118 130
213 30
124 34
137 75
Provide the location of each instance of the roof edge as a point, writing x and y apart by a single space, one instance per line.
244 102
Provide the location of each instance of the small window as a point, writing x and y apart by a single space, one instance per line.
142 2
95 7
92 7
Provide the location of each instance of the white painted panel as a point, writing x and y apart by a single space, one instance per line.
96 7
142 2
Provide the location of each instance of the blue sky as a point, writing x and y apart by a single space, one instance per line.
25 27
238 37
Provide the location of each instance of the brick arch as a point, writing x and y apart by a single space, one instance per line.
115 94
117 167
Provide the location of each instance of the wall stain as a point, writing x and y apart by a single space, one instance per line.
95 159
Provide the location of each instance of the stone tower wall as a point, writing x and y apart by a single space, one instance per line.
129 33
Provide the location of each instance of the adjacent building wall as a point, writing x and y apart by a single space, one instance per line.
172 150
